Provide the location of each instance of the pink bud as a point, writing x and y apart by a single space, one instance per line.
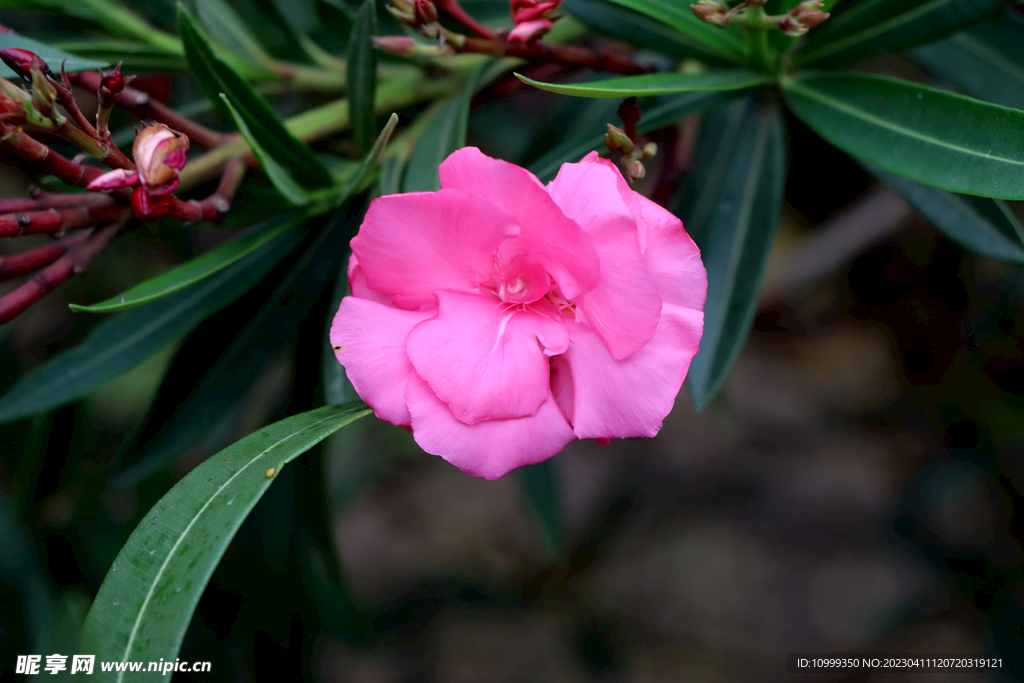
812 18
113 180
159 153
400 46
634 169
425 12
147 206
529 30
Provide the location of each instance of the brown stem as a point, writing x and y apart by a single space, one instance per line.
16 265
456 12
55 220
46 280
143 106
572 56
44 200
217 204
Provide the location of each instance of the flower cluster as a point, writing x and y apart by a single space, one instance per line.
499 319
532 19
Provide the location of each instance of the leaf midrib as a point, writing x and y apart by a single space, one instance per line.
810 93
184 533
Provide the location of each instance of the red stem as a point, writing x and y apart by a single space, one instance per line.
55 220
217 204
455 11
46 280
45 200
16 265
572 56
143 106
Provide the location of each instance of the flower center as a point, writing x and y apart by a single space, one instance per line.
523 281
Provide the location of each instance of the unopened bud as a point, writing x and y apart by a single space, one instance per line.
812 18
529 31
791 26
404 16
711 12
634 169
43 95
425 12
13 99
112 83
650 150
806 6
149 207
400 46
617 140
23 63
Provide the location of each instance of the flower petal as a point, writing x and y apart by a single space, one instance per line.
671 257
357 284
622 398
557 242
369 340
528 30
625 307
488 449
411 245
112 180
485 360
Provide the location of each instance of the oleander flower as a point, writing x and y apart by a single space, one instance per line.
498 319
160 153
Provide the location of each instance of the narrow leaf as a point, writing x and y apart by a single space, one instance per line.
869 28
928 135
726 43
543 493
362 75
444 134
732 218
216 77
128 339
51 55
192 271
151 591
982 225
656 84
278 174
228 29
337 387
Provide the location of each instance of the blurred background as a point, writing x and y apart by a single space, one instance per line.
854 488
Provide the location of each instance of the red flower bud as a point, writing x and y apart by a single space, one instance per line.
113 82
146 206
425 12
23 63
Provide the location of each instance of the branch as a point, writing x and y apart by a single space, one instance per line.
143 106
55 220
46 280
43 200
16 265
455 11
572 56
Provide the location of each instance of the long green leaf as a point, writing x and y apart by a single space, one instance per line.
727 43
656 84
362 75
128 339
444 134
216 77
151 591
51 55
982 225
228 29
732 219
543 493
985 61
642 31
869 28
928 135
193 271
668 111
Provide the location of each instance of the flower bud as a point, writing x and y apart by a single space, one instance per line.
23 63
617 140
791 26
528 10
13 100
400 46
812 18
650 150
43 95
711 12
529 31
405 16
159 154
148 206
112 83
425 12
634 169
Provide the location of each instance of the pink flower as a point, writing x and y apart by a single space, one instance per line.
160 153
499 319
532 19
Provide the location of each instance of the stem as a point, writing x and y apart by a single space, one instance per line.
572 56
217 204
43 200
760 51
26 262
55 220
18 144
455 11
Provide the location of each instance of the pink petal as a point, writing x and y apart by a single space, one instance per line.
488 449
671 257
486 360
624 308
526 31
411 245
113 180
558 243
623 398
369 340
357 284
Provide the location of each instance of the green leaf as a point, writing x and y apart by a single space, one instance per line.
20 567
51 55
337 387
444 134
134 56
228 29
278 174
151 591
985 61
362 75
863 29
667 112
192 271
726 43
252 347
543 493
128 339
928 135
642 31
732 218
216 77
982 225
656 84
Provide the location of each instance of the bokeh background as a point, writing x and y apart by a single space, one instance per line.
856 487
